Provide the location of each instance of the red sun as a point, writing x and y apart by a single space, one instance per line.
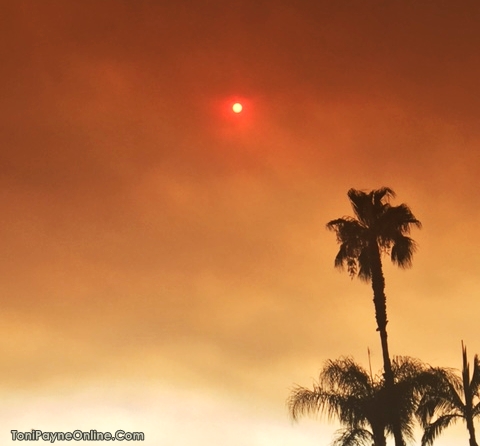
237 107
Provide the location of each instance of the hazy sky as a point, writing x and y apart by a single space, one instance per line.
165 264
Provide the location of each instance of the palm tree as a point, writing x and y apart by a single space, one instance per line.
379 228
454 398
359 400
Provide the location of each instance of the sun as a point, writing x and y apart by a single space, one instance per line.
237 107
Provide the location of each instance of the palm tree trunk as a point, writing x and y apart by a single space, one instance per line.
469 411
379 435
380 303
468 394
471 431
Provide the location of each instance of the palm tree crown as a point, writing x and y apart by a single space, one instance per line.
453 398
359 401
377 223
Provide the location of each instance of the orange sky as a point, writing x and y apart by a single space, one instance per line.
165 263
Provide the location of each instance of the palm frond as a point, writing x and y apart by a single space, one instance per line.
476 410
410 382
348 230
365 267
475 382
434 429
449 396
341 256
367 206
384 191
346 376
379 194
402 251
425 411
354 436
428 385
345 257
332 404
446 388
350 236
398 219
407 427
303 401
362 205
405 366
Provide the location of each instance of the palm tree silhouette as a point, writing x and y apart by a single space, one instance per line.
379 228
451 399
359 401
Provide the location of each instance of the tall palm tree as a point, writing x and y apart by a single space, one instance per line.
378 228
453 399
346 391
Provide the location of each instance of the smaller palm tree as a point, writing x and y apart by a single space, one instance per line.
359 400
453 398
